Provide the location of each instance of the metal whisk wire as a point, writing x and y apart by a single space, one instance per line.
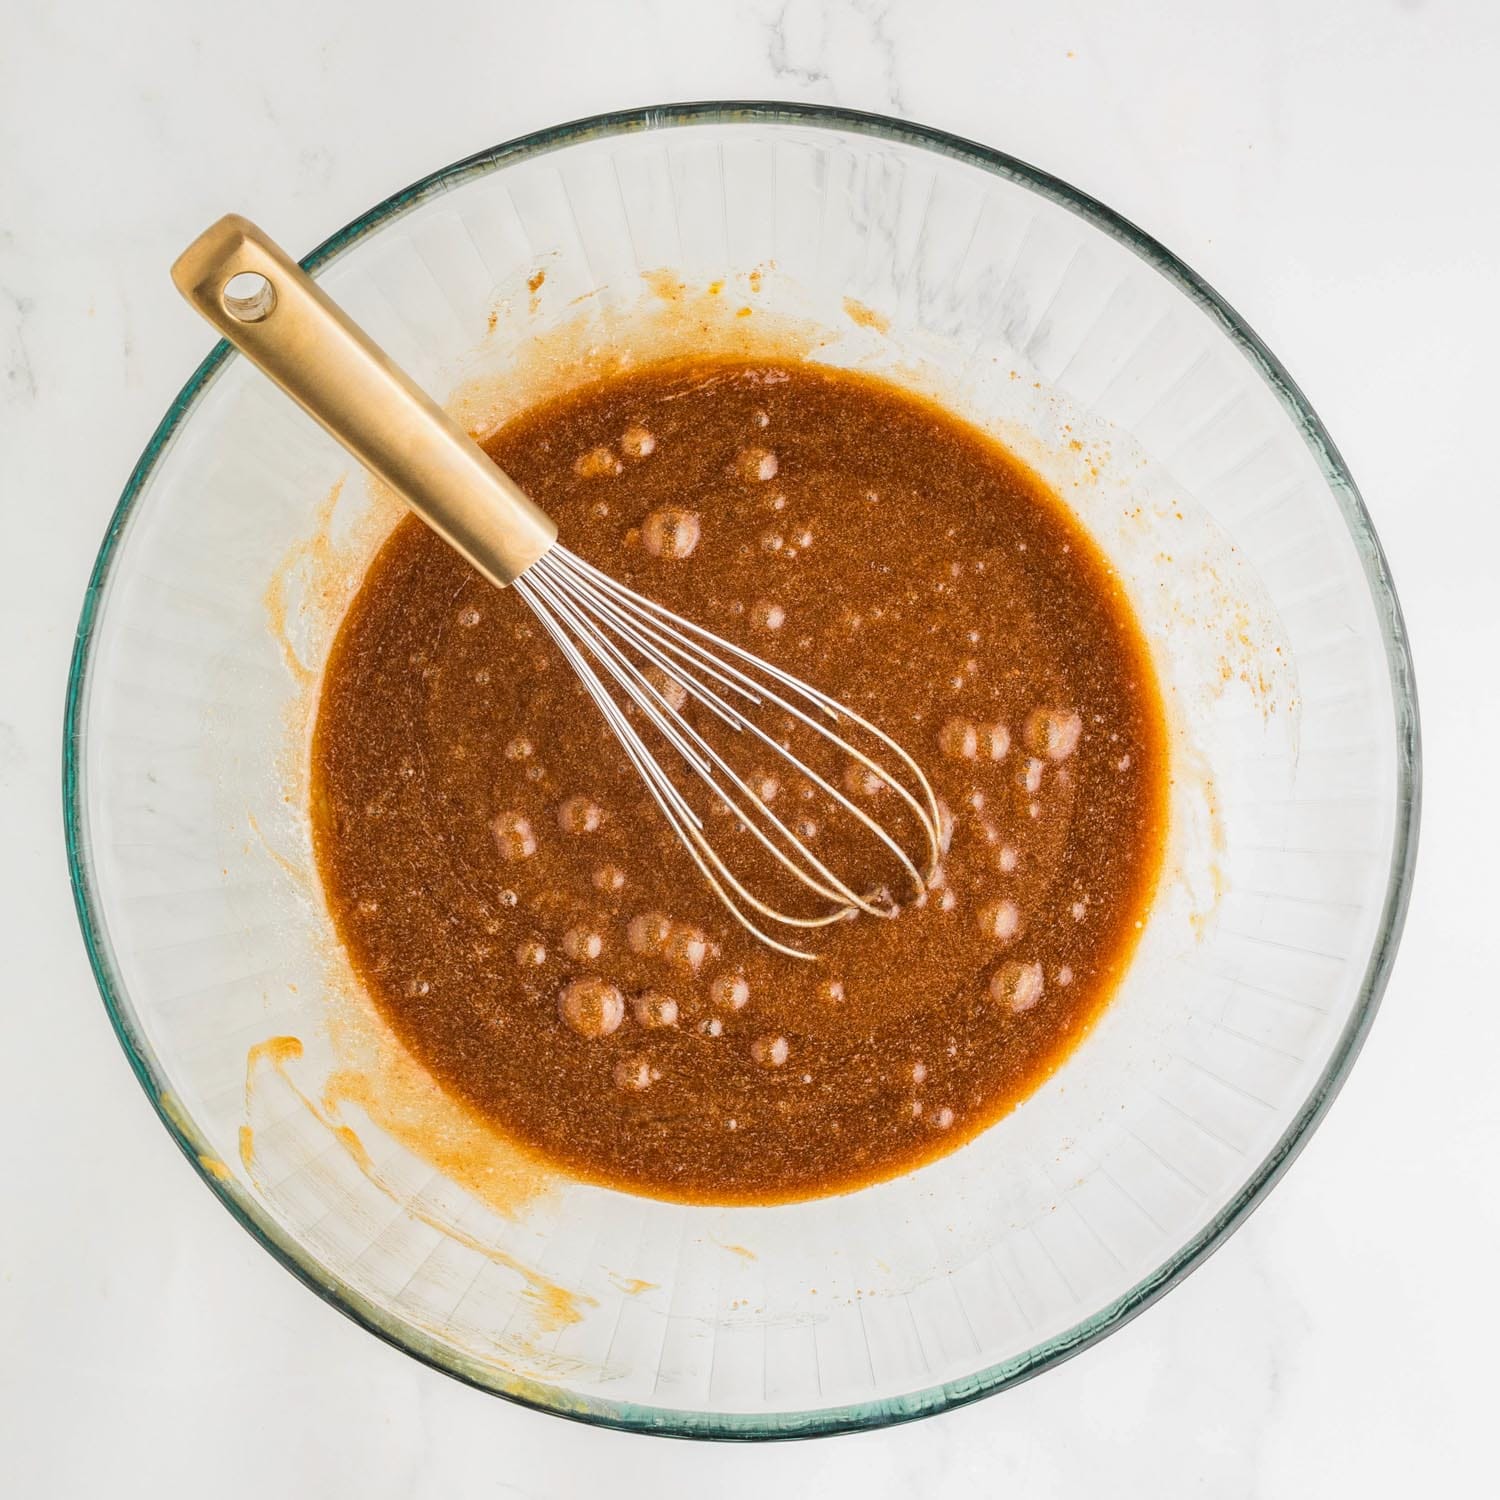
608 631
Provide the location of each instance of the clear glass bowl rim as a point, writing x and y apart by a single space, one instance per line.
886 1411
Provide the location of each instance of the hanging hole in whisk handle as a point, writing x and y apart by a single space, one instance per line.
248 297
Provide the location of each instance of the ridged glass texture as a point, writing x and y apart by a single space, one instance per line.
1278 636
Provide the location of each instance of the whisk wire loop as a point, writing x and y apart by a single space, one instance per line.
610 636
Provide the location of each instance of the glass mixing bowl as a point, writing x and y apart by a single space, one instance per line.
1196 463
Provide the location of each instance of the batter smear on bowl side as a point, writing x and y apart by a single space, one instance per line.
522 915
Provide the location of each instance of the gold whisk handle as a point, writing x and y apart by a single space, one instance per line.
273 312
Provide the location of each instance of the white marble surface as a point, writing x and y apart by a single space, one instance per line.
1328 164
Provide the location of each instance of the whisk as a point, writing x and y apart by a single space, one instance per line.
637 660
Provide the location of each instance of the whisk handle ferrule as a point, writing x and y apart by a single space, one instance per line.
286 325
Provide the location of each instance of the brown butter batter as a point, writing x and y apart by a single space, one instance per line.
521 914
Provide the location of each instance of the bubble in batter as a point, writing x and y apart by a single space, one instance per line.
609 878
579 815
756 464
1017 985
1000 920
958 739
730 991
531 954
767 616
669 688
637 442
635 1074
770 1051
591 1007
583 943
686 946
513 836
654 1010
1053 733
861 781
647 933
671 532
597 463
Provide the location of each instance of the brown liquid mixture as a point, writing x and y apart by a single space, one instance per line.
523 916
